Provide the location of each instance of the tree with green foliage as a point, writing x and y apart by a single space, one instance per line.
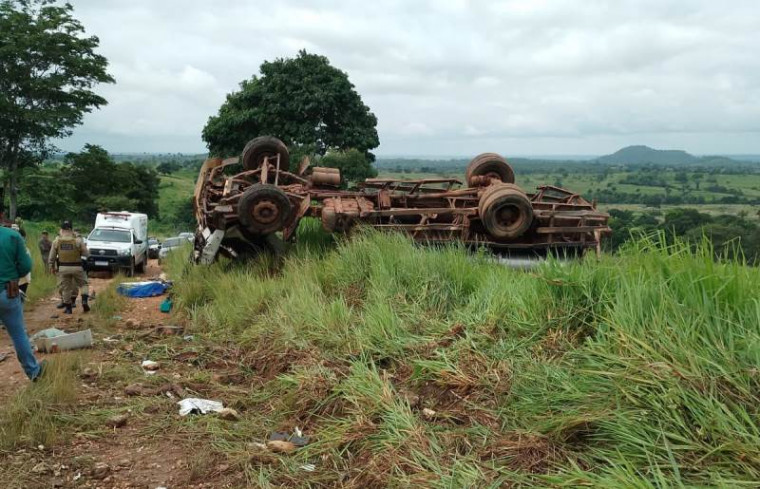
303 100
168 167
48 69
101 184
681 220
354 166
683 178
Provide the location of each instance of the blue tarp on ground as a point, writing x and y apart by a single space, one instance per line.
142 289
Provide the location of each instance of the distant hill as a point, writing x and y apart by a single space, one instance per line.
644 154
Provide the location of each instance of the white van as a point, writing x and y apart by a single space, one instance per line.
119 241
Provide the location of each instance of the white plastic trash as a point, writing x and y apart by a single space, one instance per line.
202 406
69 341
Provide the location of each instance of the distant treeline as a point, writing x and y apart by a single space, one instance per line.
527 165
731 236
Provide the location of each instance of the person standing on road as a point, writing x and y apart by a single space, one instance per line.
45 244
68 250
15 262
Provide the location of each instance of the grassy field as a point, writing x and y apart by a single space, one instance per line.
420 367
174 191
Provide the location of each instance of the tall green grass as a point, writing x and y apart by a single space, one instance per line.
43 283
635 370
38 413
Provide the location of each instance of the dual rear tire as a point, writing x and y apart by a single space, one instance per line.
505 211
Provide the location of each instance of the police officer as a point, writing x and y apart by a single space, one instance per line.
68 250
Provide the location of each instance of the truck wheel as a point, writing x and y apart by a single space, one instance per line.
141 267
491 166
259 148
505 210
264 209
131 269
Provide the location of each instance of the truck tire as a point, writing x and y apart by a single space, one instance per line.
264 209
259 148
141 267
131 269
505 211
489 165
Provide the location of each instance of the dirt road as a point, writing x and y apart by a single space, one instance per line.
141 453
42 315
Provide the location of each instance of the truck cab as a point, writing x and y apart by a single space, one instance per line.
119 241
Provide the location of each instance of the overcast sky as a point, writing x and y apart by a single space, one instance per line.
522 77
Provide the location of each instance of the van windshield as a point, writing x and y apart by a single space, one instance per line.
113 235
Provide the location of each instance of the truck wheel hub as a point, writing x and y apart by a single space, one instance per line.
265 212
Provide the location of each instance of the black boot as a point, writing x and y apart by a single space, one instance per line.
67 309
85 305
60 305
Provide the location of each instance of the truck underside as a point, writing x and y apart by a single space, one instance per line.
241 202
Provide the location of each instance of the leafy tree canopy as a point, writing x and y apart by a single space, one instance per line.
102 184
48 69
303 100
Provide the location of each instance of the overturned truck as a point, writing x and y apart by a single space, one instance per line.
240 203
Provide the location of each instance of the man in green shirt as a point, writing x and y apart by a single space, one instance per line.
15 262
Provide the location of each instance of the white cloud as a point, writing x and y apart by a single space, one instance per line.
446 77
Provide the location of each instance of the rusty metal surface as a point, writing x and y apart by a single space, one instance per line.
432 210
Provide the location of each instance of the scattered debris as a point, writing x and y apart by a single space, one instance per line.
308 467
117 421
47 333
133 324
4 356
100 471
229 414
170 330
428 413
166 305
88 374
150 367
116 318
134 390
188 337
296 438
41 469
53 340
198 406
281 446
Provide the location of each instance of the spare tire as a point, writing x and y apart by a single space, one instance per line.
259 148
505 211
489 165
264 209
